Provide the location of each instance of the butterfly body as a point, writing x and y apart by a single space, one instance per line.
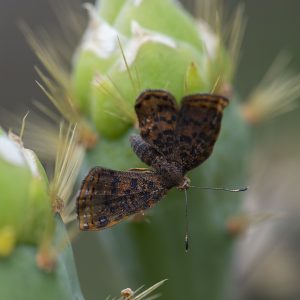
172 141
171 171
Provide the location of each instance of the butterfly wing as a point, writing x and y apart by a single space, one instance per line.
106 196
197 128
157 114
147 153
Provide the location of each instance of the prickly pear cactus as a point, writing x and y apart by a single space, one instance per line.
130 46
134 45
33 263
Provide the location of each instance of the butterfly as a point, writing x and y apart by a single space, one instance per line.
173 140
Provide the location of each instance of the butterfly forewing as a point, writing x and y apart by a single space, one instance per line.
157 114
107 197
197 128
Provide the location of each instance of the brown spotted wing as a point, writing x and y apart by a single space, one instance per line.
106 196
172 141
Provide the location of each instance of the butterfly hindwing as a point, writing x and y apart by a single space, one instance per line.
197 128
157 112
107 197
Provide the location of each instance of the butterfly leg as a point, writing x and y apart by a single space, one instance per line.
143 150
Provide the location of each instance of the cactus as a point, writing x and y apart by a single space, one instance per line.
30 234
129 46
156 44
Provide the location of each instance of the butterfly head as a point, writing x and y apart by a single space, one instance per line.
185 184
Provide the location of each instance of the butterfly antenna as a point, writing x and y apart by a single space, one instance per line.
237 190
186 239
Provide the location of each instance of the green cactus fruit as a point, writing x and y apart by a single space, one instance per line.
111 110
36 260
87 65
176 23
95 56
25 203
109 66
107 115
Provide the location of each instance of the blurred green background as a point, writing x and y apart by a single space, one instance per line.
272 27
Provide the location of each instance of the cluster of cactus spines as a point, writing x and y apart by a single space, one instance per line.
276 94
57 83
129 46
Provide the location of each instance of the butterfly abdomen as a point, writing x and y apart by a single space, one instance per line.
143 150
